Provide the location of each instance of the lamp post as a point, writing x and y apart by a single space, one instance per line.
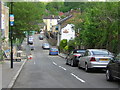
11 32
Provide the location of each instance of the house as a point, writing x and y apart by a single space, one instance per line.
68 20
50 21
68 32
4 27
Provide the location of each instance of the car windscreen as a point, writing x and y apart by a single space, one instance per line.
101 52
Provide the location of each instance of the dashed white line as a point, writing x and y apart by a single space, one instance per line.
34 62
77 78
54 63
62 67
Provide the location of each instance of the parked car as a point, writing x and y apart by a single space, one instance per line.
95 58
53 51
45 46
73 57
41 37
113 69
31 47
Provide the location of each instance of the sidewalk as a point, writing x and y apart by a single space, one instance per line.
10 75
62 55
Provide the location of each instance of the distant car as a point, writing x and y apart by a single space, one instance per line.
73 57
31 47
95 58
53 51
30 40
113 69
41 37
45 46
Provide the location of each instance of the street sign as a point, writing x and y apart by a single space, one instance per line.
11 20
11 17
11 23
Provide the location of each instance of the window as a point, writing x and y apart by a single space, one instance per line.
86 53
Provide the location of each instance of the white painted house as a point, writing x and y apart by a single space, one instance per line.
68 32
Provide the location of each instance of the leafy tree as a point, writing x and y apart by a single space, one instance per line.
27 17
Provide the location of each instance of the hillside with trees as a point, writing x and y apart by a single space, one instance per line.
98 23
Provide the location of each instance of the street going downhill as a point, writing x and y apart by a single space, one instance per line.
46 71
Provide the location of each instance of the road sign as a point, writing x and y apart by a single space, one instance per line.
11 23
11 20
11 17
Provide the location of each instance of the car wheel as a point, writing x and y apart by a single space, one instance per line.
79 67
86 68
108 75
67 62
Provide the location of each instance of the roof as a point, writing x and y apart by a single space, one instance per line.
52 17
97 49
64 19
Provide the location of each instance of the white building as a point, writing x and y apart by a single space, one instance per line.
68 32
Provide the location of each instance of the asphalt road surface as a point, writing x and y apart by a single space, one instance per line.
45 71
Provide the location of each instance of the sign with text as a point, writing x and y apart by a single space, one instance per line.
11 19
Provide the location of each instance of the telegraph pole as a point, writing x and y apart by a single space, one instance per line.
11 32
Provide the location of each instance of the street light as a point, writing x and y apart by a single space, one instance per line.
11 32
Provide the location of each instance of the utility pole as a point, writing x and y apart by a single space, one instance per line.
11 32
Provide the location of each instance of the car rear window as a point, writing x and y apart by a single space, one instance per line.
46 44
100 52
54 49
79 51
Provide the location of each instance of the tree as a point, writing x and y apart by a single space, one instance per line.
27 16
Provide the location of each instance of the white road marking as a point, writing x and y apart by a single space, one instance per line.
62 67
54 63
77 78
34 62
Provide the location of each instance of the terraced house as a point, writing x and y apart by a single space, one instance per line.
4 29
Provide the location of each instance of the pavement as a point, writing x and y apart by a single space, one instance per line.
8 74
62 55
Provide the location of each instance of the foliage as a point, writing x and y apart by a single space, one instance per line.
62 45
54 7
27 16
100 26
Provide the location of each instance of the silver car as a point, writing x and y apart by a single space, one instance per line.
45 46
95 58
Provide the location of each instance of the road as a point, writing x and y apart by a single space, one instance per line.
45 71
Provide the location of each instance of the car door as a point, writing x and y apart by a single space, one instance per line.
117 66
83 59
119 69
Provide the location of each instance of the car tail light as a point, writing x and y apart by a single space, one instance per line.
92 59
77 55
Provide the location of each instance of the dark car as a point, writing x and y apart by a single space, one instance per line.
73 57
41 37
113 69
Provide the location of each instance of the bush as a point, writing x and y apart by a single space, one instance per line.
62 45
